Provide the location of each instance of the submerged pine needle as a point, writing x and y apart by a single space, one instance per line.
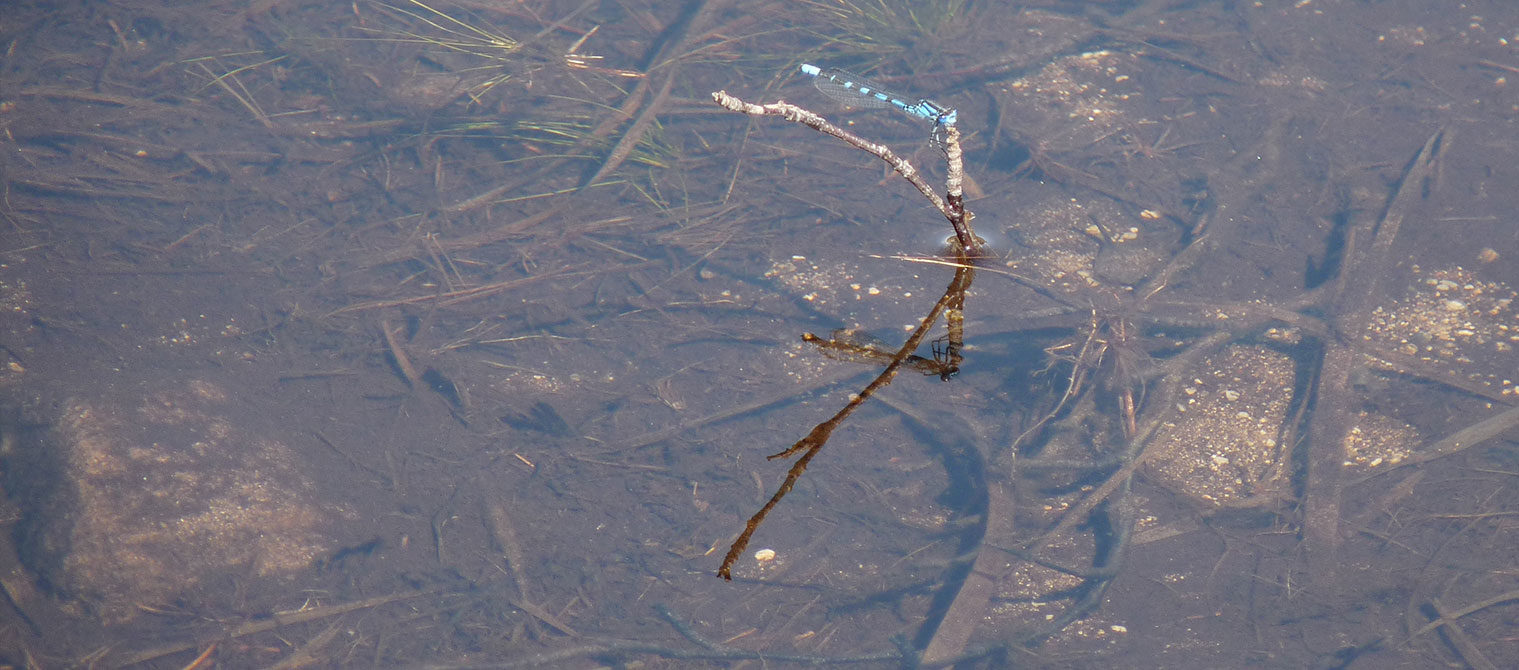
456 35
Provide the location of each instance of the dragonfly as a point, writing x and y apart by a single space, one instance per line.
857 91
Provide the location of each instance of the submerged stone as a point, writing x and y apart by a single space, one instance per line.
129 506
1222 444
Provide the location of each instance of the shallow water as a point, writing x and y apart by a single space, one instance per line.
548 406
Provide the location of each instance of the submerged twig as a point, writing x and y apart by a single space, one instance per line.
456 296
1447 617
1456 442
1137 452
1459 640
635 134
1366 259
276 620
